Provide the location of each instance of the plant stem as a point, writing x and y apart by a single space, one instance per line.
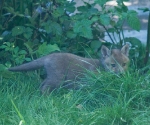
109 34
148 42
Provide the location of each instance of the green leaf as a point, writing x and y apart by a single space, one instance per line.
29 47
47 26
46 49
134 41
133 20
95 44
71 34
7 49
2 67
58 12
124 15
105 19
144 9
18 30
56 28
82 8
10 9
101 2
4 72
94 19
8 44
83 28
87 32
16 49
28 59
28 33
70 7
52 27
22 52
3 46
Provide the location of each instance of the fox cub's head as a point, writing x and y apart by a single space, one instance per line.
115 60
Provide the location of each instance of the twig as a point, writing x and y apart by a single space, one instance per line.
148 42
108 34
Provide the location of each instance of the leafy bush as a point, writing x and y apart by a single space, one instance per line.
27 27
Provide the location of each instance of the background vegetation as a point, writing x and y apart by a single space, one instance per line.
33 28
30 29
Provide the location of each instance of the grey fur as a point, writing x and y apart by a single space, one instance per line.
62 67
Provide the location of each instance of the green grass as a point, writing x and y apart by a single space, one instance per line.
104 99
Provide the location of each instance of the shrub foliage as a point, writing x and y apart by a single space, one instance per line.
29 28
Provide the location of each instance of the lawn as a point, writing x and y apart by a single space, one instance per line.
103 99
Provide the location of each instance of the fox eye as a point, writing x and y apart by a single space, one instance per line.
124 64
113 65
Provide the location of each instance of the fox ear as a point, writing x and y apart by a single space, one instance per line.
105 51
125 49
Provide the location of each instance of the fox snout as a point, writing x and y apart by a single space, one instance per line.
117 69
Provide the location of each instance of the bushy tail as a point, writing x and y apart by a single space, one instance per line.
36 64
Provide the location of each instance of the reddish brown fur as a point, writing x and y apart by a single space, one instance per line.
66 68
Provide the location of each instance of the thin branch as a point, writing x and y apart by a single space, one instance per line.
108 34
148 42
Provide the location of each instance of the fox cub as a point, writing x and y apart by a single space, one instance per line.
65 67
